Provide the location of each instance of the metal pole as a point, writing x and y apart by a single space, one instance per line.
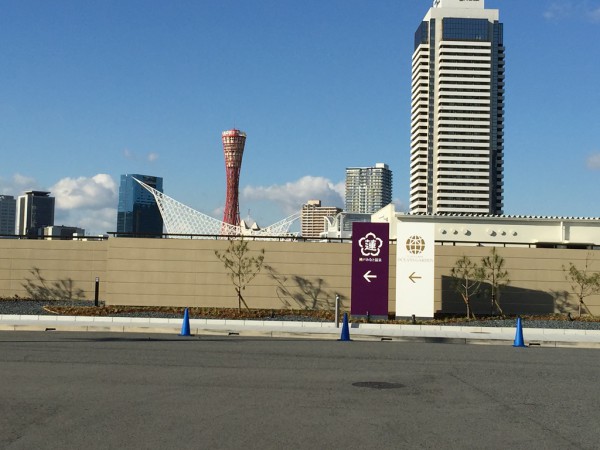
96 301
337 311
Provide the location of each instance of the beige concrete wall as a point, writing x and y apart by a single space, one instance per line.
297 275
187 273
64 265
537 280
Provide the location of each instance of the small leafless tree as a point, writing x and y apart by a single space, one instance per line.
466 279
493 271
241 266
583 282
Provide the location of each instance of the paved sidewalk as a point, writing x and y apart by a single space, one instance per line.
313 330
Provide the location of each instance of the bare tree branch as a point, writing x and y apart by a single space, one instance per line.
583 282
242 268
466 276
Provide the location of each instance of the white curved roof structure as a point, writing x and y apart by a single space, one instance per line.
181 219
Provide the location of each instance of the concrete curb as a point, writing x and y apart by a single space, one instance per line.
534 337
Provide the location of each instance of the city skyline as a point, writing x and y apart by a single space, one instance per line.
92 91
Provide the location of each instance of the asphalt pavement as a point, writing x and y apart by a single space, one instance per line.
144 391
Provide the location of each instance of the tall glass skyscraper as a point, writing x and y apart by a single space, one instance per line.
368 189
138 212
457 119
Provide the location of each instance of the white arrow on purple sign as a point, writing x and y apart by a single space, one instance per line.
367 276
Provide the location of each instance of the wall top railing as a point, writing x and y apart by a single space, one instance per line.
250 237
292 238
559 245
53 237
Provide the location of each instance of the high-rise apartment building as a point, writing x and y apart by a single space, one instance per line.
8 211
35 210
368 189
138 212
457 117
313 218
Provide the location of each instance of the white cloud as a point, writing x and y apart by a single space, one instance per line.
594 14
582 10
23 181
96 192
217 213
18 184
399 205
558 11
593 161
94 221
133 156
291 196
88 203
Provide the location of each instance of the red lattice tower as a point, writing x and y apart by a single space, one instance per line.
233 147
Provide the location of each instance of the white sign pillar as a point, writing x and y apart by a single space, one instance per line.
415 266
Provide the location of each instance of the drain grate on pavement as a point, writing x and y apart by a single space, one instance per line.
377 385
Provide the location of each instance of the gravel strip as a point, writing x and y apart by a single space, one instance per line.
551 324
36 308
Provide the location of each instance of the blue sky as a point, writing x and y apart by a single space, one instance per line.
90 90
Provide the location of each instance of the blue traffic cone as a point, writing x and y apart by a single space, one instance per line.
519 335
185 327
345 329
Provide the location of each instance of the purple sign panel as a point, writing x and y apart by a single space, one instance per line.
370 269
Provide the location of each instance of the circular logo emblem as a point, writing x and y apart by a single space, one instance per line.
415 245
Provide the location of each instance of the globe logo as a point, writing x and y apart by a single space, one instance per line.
415 245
